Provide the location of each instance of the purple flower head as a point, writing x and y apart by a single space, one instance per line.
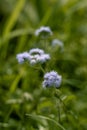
52 79
57 42
38 56
21 57
43 31
36 51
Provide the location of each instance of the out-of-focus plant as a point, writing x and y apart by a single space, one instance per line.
24 103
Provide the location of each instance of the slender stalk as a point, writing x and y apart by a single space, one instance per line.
59 118
9 113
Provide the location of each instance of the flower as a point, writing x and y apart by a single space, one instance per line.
34 56
36 51
43 31
52 79
43 58
57 42
38 56
21 57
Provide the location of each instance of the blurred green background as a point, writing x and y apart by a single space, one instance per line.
21 92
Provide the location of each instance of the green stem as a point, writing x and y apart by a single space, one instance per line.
64 106
9 113
58 106
42 69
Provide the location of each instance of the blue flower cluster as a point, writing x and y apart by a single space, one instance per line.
34 56
37 55
52 79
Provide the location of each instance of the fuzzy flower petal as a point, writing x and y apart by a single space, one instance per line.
43 58
36 51
57 42
22 56
44 32
52 79
38 56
